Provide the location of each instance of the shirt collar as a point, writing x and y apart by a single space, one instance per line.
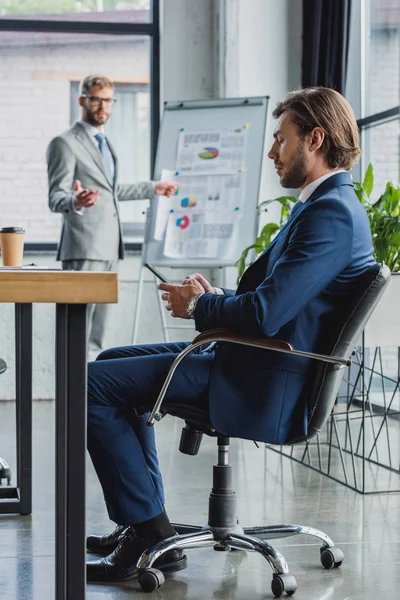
311 187
91 130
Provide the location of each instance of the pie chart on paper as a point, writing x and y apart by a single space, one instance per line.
188 202
183 222
209 153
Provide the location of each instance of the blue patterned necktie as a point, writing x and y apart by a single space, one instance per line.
108 160
296 207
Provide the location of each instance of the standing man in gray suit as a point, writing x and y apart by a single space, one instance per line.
83 186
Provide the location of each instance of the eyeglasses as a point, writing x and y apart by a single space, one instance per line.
96 101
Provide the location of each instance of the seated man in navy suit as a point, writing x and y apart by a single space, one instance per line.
292 291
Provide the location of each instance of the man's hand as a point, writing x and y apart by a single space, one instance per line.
207 287
84 198
177 296
166 188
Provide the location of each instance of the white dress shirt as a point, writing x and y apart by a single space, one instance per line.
311 187
91 130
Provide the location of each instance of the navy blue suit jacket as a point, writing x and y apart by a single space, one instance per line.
295 290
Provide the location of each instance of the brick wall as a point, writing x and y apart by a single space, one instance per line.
382 144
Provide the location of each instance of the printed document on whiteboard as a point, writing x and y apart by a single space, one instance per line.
199 234
212 151
162 207
199 194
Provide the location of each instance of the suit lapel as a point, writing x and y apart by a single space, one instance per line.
85 140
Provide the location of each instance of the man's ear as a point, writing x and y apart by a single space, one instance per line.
81 100
317 137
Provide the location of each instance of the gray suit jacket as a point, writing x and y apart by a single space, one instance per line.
96 234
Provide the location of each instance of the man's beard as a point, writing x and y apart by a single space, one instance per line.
297 171
92 119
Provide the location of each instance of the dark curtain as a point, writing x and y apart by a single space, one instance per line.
326 30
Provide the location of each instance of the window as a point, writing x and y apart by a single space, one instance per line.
40 69
135 11
382 55
380 127
373 89
381 147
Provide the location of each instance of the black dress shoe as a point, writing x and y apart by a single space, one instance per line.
121 564
105 544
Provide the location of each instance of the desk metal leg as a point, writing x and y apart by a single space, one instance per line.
23 369
71 381
19 499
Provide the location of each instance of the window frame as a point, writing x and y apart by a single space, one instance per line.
360 31
150 30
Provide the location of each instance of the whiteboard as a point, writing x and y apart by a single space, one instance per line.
206 115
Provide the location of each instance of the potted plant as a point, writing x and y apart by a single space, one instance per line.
383 329
384 218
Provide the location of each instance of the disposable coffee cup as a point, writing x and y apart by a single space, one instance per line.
12 246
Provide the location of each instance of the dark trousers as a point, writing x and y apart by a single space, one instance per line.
123 383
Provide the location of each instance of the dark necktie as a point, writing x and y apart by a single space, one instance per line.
295 209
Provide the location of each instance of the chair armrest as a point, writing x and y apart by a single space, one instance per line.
227 335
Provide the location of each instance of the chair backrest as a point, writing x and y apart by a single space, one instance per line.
327 378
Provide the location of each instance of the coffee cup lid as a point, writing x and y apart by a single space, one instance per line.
12 230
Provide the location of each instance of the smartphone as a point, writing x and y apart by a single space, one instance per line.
157 273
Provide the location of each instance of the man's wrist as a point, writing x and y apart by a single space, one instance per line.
191 305
79 210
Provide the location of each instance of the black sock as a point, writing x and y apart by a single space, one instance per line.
156 529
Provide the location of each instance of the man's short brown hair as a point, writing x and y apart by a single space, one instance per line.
327 109
90 81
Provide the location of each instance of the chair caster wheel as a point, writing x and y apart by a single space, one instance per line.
331 558
151 579
283 583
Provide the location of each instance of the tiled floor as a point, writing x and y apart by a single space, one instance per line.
270 488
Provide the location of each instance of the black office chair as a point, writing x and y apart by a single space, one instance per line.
223 531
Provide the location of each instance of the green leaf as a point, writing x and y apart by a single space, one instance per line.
390 199
381 249
265 203
368 182
286 203
240 264
361 193
267 232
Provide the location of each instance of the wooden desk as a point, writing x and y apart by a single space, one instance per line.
71 291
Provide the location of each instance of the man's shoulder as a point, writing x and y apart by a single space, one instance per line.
69 134
64 141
